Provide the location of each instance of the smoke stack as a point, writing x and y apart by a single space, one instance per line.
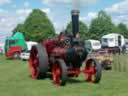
75 22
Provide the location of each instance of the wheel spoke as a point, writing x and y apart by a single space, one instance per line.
88 76
57 74
54 73
92 70
34 63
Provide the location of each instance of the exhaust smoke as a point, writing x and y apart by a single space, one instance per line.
79 3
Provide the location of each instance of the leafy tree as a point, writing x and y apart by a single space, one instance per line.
83 29
123 29
115 29
37 26
101 25
19 28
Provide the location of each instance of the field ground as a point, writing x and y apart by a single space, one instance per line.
15 81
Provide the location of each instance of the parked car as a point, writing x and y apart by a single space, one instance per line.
26 54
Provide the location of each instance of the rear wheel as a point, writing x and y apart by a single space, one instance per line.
38 62
59 72
93 71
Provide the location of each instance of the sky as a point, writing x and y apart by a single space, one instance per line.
13 12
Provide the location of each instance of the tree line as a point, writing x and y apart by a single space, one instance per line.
38 26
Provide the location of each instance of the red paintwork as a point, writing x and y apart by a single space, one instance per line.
34 64
12 50
74 71
54 48
90 71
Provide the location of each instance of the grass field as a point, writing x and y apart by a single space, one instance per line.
15 81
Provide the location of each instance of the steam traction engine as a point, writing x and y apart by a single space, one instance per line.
64 57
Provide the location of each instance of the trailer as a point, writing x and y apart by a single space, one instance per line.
92 45
103 57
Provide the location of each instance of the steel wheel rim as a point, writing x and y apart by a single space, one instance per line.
90 71
56 72
16 55
34 63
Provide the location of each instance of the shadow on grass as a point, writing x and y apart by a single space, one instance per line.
75 81
48 75
70 80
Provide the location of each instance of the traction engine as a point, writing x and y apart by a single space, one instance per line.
64 57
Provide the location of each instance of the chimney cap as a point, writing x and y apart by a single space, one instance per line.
75 12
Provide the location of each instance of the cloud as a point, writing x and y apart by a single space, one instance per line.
7 22
118 8
22 14
3 11
87 19
69 2
2 2
14 6
26 4
46 10
60 25
23 11
119 12
52 2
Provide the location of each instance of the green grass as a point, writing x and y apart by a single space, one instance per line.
15 81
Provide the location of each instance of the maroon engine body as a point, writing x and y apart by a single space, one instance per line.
63 57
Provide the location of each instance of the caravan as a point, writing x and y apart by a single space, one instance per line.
112 40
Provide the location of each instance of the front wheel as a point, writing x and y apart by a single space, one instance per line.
59 72
93 71
16 55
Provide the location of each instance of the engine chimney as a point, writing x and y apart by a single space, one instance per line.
75 22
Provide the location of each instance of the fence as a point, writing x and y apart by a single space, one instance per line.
120 63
